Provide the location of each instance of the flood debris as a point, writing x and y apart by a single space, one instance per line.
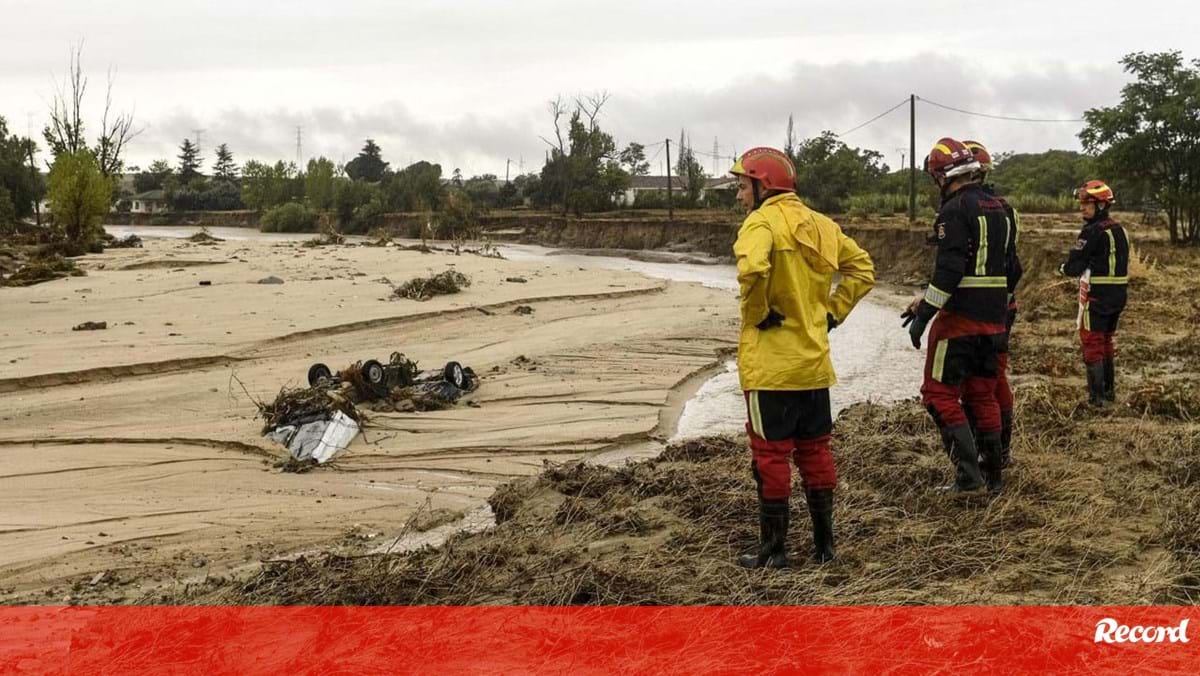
399 385
90 326
516 280
270 280
130 241
424 288
316 440
522 310
41 270
204 237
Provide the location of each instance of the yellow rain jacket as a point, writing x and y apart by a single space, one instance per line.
786 257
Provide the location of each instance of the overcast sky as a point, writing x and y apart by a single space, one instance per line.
465 83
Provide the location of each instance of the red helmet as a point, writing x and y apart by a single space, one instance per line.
770 166
981 154
950 158
1095 191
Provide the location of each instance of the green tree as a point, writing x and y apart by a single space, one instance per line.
319 184
265 185
22 184
1052 173
224 167
189 161
154 177
369 165
583 172
483 191
79 197
417 187
359 205
829 171
459 216
633 159
1152 137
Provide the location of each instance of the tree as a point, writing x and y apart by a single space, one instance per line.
1052 173
369 165
22 185
224 167
265 186
154 177
482 190
633 159
587 176
689 171
189 161
79 197
829 171
65 132
1153 137
417 187
359 205
319 184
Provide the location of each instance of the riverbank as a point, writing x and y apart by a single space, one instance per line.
133 461
1099 508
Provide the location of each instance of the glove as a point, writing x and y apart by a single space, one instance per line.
833 323
1012 314
916 321
773 319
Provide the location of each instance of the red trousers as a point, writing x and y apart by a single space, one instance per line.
795 426
961 368
1097 345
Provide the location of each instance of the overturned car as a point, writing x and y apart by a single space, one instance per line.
399 378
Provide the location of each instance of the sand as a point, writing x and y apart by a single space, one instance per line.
132 456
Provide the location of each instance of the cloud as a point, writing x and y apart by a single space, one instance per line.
747 112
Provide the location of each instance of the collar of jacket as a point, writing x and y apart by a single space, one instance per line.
814 232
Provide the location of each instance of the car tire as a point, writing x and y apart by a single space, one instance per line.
454 374
318 372
373 372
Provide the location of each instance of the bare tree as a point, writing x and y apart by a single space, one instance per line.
65 132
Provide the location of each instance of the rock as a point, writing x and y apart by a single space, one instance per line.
90 326
522 310
516 280
205 282
270 280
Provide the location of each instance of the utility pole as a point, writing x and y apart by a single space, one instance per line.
912 158
33 173
670 201
299 145
716 157
507 162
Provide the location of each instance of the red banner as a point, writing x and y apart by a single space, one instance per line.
261 640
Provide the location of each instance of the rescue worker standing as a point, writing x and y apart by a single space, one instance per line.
787 255
1100 260
1014 272
969 296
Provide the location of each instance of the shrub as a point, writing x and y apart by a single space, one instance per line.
290 217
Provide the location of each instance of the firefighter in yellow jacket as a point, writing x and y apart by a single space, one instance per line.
787 255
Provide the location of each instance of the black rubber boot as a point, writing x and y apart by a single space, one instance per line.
1110 380
773 524
1095 381
991 461
1006 427
820 508
960 446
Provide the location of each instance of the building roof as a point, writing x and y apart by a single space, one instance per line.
655 183
151 195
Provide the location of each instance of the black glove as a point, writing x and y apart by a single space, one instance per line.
833 323
917 321
773 319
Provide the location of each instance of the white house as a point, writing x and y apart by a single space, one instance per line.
658 184
149 202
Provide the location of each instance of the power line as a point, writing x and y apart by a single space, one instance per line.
873 119
994 117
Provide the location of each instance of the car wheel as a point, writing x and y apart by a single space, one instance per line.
317 373
454 374
373 372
